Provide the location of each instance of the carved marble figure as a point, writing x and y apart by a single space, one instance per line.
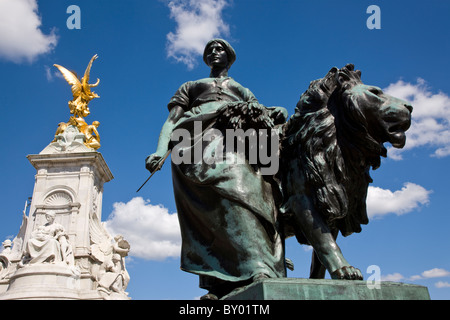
48 243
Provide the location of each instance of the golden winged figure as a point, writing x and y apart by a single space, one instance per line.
81 90
82 95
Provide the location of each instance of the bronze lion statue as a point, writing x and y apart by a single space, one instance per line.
328 147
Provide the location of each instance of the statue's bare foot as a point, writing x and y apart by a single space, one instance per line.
347 273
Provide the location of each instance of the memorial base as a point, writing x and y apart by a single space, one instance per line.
314 289
47 282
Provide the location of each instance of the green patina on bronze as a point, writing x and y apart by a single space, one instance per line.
330 144
233 218
227 212
324 289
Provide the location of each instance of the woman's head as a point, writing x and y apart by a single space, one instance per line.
50 216
219 51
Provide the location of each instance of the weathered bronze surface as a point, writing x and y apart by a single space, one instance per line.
325 289
330 144
233 217
227 211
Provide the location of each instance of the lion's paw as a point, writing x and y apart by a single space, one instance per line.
347 273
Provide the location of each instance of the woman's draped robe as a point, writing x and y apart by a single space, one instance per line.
226 209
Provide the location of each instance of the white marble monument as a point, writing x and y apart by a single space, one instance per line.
62 250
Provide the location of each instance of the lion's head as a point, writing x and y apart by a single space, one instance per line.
364 113
335 136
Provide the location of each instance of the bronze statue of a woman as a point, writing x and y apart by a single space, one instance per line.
227 209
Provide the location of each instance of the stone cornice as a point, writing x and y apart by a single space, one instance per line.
43 160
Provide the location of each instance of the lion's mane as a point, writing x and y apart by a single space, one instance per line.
329 141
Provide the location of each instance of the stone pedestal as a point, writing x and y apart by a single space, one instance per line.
45 281
70 184
313 289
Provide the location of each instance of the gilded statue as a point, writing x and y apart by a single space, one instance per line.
78 106
81 90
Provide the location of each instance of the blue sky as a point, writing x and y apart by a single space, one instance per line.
147 49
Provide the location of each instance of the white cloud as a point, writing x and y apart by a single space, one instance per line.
153 233
432 273
198 21
435 273
48 73
442 284
20 36
51 73
430 118
395 277
382 201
